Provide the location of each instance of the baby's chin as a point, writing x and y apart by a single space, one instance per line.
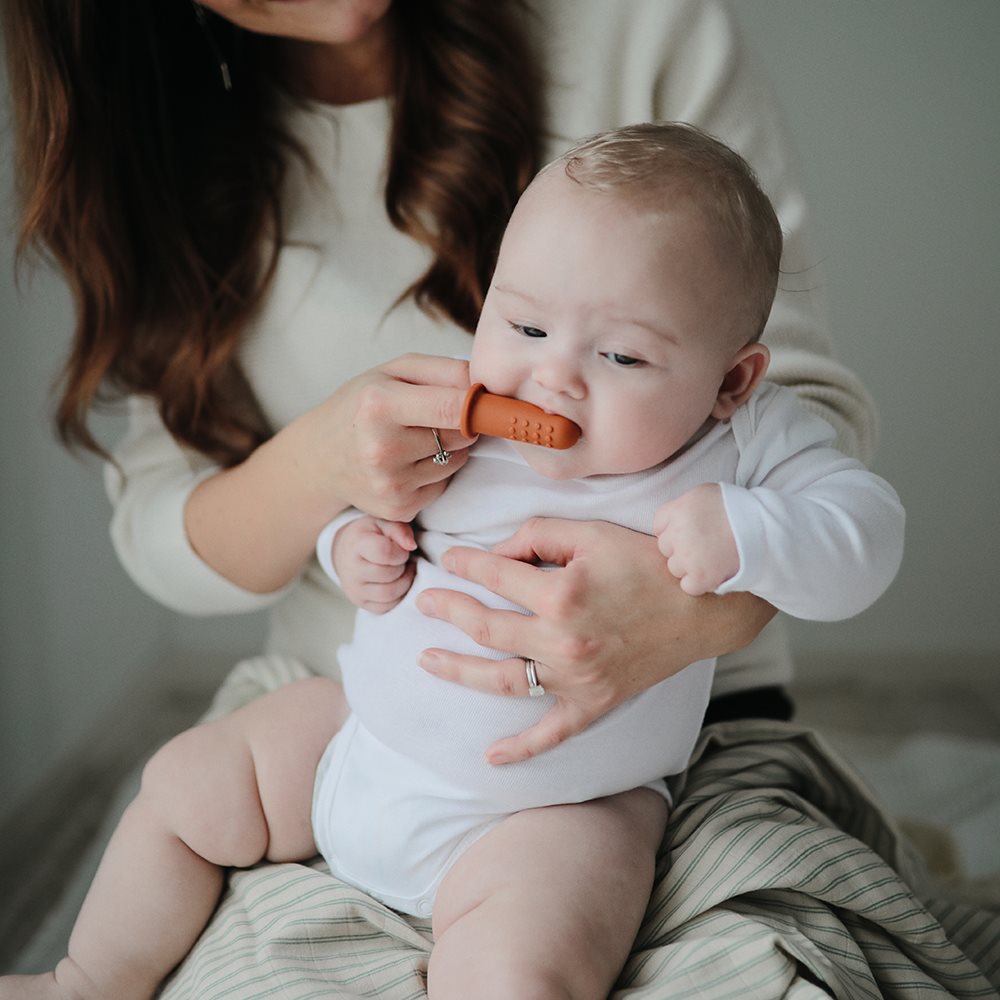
553 463
563 464
575 462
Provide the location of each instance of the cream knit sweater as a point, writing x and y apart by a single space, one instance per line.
329 314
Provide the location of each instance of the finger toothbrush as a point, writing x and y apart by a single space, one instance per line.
500 416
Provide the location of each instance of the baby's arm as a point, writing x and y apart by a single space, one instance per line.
822 553
809 530
694 535
370 559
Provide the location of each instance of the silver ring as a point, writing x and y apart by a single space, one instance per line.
442 457
534 688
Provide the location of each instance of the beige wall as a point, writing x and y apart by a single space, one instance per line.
894 110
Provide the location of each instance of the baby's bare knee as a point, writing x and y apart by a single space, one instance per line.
202 786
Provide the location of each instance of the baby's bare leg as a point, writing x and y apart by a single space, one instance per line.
225 794
547 905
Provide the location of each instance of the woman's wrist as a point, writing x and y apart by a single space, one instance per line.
724 624
256 523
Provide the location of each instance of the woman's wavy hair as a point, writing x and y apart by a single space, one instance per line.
157 191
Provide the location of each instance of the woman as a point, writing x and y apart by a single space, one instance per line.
303 193
386 236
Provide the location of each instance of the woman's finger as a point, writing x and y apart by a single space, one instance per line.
429 369
517 581
430 471
504 677
396 402
545 539
509 678
504 631
563 720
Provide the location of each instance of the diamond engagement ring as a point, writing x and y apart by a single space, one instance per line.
534 688
442 457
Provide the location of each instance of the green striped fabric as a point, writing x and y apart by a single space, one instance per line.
780 876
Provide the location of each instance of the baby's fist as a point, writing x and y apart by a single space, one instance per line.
372 560
693 534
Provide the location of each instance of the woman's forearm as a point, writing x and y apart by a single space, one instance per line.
723 624
366 446
256 524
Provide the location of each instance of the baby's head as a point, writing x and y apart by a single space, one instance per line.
632 285
669 167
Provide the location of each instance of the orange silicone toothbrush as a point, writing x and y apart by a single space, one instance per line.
500 416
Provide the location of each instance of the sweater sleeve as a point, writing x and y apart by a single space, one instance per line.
149 482
718 88
818 535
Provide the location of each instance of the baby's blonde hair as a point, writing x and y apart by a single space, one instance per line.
662 165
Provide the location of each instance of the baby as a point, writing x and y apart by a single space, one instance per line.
632 284
631 288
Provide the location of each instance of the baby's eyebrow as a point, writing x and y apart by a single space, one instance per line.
642 324
614 318
523 296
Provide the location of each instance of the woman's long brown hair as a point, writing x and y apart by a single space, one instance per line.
157 191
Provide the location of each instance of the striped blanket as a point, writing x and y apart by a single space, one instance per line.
779 876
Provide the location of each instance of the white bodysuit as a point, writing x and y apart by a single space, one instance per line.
404 788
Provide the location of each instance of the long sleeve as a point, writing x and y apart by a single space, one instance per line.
818 535
324 543
148 483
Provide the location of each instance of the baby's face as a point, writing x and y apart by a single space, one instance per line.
610 316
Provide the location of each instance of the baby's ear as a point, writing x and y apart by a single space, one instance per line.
746 370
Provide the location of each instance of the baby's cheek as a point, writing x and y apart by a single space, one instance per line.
623 447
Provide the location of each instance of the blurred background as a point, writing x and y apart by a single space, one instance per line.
893 109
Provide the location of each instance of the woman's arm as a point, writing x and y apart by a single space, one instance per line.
208 541
606 625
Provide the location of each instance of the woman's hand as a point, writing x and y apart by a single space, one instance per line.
609 622
373 438
369 445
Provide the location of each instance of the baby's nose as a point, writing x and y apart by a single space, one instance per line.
561 376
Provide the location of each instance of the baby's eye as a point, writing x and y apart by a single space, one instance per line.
528 331
622 360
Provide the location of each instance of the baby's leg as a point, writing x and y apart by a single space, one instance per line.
547 904
224 794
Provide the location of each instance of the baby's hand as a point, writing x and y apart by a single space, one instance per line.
693 533
372 559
